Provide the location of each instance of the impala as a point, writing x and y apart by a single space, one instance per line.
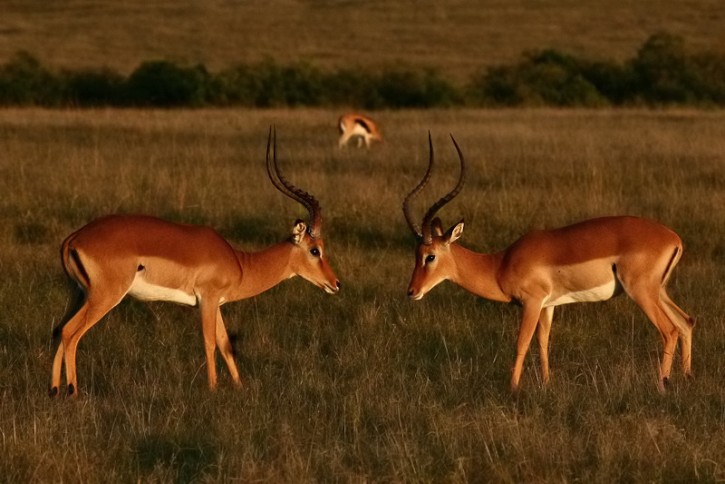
592 260
154 260
357 126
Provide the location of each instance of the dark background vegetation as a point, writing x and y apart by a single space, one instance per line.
663 73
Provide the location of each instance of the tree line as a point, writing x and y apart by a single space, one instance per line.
663 73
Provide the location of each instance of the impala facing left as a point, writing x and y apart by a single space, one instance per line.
155 260
592 260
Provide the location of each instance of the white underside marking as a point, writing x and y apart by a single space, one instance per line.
141 289
598 293
360 130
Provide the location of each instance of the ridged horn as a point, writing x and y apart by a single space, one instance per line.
296 194
430 214
406 203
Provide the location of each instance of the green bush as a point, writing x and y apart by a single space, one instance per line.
239 85
94 88
710 68
546 77
662 73
666 74
164 84
353 88
613 81
405 88
662 70
23 81
296 85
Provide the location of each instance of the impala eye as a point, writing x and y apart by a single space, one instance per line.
315 251
430 258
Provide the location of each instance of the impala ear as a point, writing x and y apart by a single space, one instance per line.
436 227
454 233
298 231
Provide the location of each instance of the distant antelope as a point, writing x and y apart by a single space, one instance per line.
592 260
154 260
360 127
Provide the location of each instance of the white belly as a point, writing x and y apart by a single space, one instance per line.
359 130
598 293
143 290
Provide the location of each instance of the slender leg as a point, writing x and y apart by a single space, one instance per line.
544 329
649 302
684 324
526 332
344 139
225 348
209 311
73 322
55 372
92 312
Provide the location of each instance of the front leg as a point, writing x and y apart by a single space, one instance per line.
530 317
225 348
544 329
209 309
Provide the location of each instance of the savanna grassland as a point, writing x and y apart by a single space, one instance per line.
366 385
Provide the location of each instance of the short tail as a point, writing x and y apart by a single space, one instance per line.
79 281
72 263
674 259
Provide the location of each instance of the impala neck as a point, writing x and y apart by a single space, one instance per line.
477 273
264 269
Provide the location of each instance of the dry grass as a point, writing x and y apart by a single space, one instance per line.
364 386
457 37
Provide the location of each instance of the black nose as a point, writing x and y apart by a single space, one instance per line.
338 285
410 292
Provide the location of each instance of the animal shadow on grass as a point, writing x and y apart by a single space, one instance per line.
184 459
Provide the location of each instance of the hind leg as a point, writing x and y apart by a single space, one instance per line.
209 307
72 322
56 370
543 331
92 312
650 304
684 324
77 305
529 320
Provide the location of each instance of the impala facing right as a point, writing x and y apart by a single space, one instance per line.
592 260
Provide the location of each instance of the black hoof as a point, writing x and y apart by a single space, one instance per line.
53 392
71 390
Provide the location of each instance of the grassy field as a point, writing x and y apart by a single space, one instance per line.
454 36
364 386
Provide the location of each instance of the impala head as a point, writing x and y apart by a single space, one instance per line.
433 259
308 258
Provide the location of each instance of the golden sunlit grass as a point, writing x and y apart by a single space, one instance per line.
365 385
453 36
